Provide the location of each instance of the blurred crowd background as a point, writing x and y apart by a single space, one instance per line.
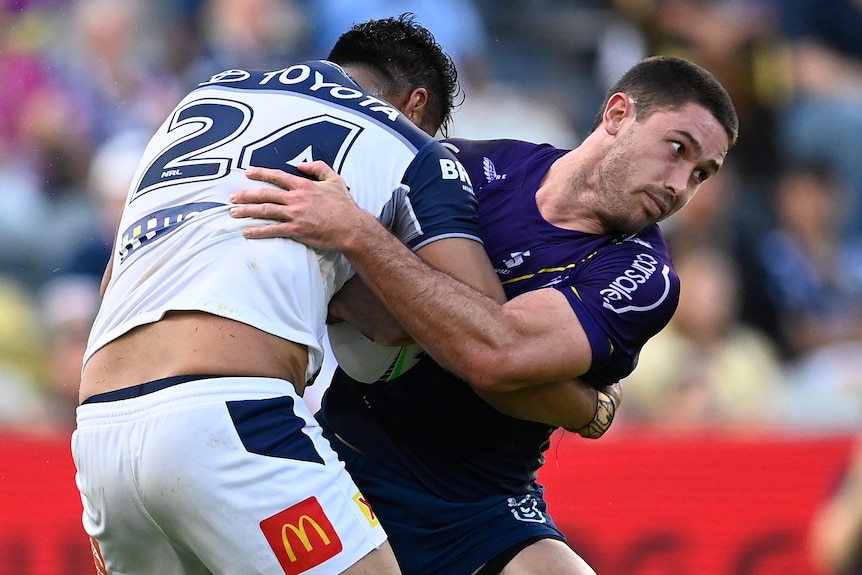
768 331
768 334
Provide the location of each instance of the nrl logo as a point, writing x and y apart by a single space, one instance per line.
526 509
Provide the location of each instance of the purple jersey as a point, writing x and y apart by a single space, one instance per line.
430 425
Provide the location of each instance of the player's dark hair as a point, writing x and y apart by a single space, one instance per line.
404 56
668 83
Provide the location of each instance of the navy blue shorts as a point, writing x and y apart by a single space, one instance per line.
432 536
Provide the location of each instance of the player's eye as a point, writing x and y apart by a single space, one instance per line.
678 148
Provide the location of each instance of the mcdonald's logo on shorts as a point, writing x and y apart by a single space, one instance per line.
301 536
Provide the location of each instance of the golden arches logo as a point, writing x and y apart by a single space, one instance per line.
301 536
301 531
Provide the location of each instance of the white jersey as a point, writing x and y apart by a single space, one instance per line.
177 247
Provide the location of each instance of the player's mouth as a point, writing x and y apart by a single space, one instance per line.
657 205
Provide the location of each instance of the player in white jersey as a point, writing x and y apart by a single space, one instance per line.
194 450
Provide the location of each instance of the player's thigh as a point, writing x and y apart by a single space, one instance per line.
548 557
381 561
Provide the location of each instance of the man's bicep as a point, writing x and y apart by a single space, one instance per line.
466 261
545 342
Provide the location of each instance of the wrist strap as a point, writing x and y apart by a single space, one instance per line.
605 411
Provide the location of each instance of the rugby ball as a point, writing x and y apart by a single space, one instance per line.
367 361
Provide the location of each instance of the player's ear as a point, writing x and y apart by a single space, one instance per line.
416 106
618 107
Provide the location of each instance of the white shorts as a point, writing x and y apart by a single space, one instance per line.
222 475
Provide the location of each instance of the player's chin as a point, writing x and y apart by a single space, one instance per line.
628 226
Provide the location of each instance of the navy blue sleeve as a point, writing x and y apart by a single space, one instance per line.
440 197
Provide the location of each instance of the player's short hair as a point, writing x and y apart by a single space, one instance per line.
404 56
668 83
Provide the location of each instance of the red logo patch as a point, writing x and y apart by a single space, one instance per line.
301 536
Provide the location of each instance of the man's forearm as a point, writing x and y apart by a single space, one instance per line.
570 404
450 320
356 304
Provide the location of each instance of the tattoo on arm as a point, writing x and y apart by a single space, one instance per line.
605 411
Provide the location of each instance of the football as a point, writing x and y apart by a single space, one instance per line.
367 361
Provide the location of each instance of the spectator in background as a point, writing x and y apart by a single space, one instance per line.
260 34
110 173
63 153
812 272
836 533
112 63
456 24
23 204
26 74
738 41
22 355
492 107
812 275
67 306
39 144
101 81
823 119
719 371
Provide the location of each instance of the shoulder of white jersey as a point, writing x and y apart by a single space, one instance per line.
320 80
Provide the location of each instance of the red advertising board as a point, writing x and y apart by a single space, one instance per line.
645 504
633 503
40 529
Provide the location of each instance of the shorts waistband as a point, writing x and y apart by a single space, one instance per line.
145 388
195 393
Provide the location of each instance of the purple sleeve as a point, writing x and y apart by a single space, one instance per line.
622 298
474 154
